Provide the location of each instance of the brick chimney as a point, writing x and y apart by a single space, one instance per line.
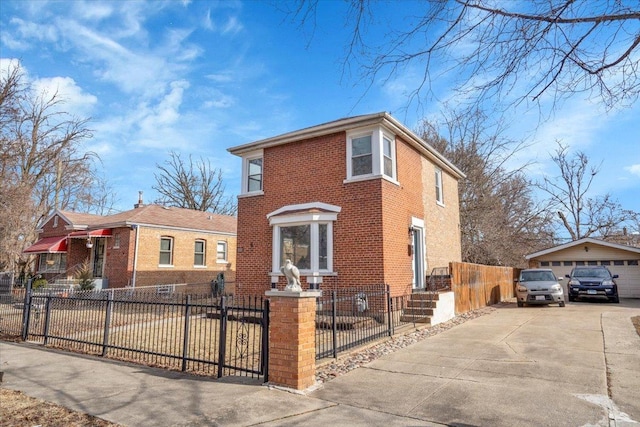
140 202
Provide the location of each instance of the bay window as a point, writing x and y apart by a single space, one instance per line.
371 153
305 238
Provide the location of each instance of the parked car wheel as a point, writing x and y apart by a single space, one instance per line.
561 304
520 304
571 299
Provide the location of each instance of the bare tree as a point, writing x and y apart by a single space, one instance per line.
580 213
194 185
42 165
500 221
496 48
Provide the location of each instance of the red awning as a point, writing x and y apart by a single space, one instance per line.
83 234
48 245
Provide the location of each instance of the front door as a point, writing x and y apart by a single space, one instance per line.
418 258
98 257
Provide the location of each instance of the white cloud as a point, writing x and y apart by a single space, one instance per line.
74 99
232 26
24 33
633 169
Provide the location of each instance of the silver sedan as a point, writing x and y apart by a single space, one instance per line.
539 286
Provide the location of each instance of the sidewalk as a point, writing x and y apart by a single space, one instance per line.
527 366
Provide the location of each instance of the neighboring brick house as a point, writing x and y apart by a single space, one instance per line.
357 201
148 245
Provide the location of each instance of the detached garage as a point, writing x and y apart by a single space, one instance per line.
619 259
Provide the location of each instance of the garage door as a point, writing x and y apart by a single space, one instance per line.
629 280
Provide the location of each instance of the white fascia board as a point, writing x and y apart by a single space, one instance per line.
582 241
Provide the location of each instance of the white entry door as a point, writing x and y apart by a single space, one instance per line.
418 257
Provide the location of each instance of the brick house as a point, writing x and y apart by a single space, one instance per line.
357 201
148 245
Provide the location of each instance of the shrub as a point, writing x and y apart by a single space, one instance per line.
39 283
84 275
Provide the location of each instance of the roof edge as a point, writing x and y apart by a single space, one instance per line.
342 125
582 242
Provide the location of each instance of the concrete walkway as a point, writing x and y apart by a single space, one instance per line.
531 366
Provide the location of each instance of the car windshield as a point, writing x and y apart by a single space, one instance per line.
537 276
600 273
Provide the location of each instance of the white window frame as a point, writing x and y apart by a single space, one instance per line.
246 159
377 134
279 218
225 246
203 253
160 252
439 186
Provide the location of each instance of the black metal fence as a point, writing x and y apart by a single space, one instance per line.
349 317
199 334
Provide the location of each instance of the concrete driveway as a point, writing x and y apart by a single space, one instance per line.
517 366
531 366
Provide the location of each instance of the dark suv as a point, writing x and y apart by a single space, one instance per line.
592 282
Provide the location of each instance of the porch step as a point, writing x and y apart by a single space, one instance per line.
419 311
425 296
422 304
420 308
416 319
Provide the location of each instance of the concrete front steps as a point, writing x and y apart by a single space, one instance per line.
429 308
420 308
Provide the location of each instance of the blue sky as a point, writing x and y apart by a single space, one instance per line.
199 77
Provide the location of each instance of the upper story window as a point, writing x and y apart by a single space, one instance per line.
361 156
221 255
199 253
252 173
305 238
371 153
166 250
439 193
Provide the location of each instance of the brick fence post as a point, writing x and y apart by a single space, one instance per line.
292 348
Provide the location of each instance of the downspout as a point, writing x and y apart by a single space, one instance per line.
135 256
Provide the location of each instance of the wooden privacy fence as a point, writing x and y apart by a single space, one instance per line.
476 286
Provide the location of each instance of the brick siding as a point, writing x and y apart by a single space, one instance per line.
371 239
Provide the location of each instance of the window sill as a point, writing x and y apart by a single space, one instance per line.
440 204
304 273
253 193
369 178
165 265
200 266
222 261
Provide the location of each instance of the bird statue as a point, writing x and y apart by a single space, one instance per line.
292 274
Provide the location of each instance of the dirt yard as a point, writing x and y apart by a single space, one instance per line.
636 323
19 410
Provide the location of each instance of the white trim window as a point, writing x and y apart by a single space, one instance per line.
200 253
252 173
439 189
306 238
166 251
371 153
221 254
